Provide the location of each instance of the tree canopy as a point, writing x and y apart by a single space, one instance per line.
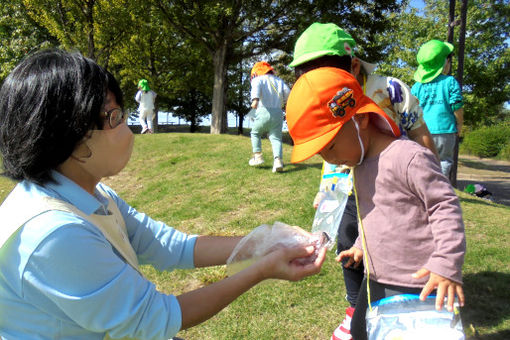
201 51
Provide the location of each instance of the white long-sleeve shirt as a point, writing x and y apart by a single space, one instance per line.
146 99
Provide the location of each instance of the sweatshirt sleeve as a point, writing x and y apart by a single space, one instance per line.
445 216
456 101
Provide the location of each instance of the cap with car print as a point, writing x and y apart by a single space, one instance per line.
320 103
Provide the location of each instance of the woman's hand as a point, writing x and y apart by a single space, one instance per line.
281 263
445 287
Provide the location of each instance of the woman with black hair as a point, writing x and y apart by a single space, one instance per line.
69 245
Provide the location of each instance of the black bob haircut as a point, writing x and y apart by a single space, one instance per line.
341 62
48 103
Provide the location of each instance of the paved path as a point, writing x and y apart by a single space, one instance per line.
493 174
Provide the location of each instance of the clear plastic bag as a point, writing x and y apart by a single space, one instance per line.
331 207
406 317
266 238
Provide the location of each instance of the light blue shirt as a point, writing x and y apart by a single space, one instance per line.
439 99
61 279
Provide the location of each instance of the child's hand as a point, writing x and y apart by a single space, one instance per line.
444 287
354 254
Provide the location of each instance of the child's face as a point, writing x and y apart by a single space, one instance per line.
344 149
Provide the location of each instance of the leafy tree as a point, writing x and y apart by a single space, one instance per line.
94 27
190 104
235 30
19 35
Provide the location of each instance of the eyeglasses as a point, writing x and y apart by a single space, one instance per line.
115 117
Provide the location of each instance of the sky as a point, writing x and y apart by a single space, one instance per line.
420 4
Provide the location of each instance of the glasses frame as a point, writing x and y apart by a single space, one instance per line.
108 115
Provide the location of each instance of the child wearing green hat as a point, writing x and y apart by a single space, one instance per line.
440 96
412 234
327 45
146 98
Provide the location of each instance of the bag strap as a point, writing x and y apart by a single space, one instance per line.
277 93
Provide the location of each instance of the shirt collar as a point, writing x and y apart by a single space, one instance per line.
76 195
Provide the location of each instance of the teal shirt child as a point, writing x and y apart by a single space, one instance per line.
439 98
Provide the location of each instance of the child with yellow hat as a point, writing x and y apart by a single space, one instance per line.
410 218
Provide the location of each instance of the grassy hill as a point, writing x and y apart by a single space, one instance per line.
202 184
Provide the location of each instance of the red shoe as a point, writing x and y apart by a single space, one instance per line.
343 331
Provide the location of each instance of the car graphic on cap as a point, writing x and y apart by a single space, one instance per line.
341 101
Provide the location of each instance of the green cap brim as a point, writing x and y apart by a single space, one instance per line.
311 56
426 76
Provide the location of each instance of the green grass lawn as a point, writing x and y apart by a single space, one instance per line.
202 184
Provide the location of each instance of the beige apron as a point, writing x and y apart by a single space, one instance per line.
112 226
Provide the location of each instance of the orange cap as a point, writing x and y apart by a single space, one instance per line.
320 103
260 68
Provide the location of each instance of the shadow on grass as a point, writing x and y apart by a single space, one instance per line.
474 164
475 200
487 303
290 167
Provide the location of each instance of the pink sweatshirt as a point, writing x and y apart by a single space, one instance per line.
411 216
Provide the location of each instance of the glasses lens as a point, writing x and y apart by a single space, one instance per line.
116 117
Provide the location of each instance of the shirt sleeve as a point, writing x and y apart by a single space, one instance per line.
93 286
424 177
138 96
155 242
255 88
456 101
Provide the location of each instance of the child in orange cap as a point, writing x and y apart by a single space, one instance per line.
411 219
268 95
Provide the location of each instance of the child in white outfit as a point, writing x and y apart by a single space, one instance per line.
145 97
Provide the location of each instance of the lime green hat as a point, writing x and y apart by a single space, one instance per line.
319 40
144 84
431 57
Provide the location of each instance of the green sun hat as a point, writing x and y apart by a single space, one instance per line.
319 40
144 85
431 57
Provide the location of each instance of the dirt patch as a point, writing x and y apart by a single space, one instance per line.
493 174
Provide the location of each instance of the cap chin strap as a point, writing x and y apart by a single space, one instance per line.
360 142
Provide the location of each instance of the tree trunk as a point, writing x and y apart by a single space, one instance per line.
155 121
218 117
240 126
462 42
451 19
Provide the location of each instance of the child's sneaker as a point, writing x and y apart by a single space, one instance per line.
277 165
257 159
343 331
144 130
